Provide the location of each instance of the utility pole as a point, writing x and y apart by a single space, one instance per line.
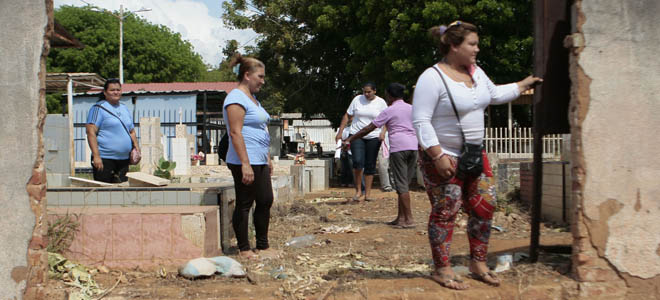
121 17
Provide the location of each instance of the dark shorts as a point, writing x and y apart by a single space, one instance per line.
403 165
365 153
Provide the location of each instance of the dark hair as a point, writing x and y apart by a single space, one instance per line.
246 64
370 84
108 82
396 90
452 35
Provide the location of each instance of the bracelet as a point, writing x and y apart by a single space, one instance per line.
438 157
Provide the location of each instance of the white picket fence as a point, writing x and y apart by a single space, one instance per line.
519 143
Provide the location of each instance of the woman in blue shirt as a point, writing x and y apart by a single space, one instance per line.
110 135
248 157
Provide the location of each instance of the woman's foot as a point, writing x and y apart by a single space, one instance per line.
480 271
269 253
354 200
406 224
394 222
248 255
446 278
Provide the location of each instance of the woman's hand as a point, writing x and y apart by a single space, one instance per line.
248 174
270 167
528 83
97 163
346 142
445 167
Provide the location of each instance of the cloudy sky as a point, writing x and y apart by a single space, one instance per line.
198 21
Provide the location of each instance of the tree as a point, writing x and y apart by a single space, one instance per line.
319 52
151 53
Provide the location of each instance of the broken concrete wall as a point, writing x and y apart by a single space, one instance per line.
22 193
615 109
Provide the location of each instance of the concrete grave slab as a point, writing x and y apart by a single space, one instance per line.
143 179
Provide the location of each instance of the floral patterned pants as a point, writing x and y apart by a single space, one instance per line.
476 195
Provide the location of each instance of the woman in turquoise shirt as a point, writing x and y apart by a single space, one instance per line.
248 157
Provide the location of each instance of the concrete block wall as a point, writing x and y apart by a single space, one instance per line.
556 188
130 237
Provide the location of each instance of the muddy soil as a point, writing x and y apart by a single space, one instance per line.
377 262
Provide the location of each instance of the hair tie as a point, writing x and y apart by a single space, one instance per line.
442 28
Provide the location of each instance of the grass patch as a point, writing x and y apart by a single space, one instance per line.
61 232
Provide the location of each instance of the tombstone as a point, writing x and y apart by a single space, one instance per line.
212 159
150 144
181 155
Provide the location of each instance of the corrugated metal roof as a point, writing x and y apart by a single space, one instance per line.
172 87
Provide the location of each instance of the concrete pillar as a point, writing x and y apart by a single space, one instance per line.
23 177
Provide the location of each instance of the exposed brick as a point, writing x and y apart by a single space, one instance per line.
37 257
37 192
38 242
37 276
588 274
602 290
35 292
38 176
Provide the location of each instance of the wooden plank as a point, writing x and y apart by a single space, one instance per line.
75 181
144 179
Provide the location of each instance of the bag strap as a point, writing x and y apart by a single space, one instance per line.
452 101
120 121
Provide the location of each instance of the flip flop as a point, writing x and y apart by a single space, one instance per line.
449 282
404 226
482 277
250 256
393 223
354 200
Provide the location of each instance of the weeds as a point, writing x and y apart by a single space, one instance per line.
61 232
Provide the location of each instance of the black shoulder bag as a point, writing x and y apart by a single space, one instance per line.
223 147
470 163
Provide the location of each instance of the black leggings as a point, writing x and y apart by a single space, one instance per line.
261 192
114 171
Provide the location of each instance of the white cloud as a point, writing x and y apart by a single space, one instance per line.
191 18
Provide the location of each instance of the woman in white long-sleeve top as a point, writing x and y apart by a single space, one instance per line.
442 130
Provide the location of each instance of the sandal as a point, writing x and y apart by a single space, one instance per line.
354 200
404 226
483 277
450 282
250 255
393 223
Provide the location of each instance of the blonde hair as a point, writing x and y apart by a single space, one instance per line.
246 64
452 35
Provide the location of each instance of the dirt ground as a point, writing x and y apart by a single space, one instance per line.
377 262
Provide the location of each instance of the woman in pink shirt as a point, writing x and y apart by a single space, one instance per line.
397 117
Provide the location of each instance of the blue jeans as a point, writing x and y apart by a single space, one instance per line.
365 153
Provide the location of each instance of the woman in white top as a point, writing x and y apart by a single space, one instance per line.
361 112
441 141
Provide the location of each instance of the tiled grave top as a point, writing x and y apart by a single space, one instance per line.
181 210
170 187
